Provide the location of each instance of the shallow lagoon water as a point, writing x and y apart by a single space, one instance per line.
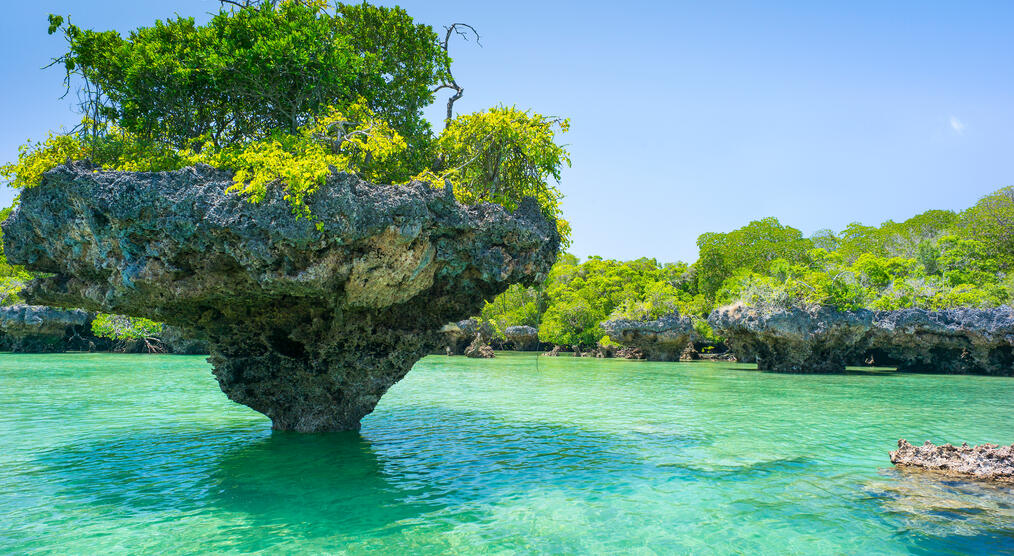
105 453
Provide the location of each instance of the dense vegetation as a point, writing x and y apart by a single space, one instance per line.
938 259
283 92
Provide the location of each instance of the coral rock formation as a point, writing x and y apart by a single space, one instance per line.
949 341
479 349
37 329
309 321
988 462
523 338
663 339
794 340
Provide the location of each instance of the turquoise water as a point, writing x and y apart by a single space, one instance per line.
143 454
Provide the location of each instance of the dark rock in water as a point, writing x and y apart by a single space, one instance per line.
819 340
523 338
40 329
460 334
689 353
309 321
629 353
184 342
555 352
949 341
479 349
989 462
663 339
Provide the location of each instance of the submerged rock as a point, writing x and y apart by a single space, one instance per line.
523 338
948 341
663 339
819 340
40 329
988 462
309 321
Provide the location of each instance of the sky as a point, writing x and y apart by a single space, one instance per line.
686 117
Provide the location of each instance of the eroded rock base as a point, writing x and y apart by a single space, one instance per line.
315 390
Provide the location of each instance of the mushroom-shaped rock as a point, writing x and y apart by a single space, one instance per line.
524 338
816 340
951 341
309 320
662 339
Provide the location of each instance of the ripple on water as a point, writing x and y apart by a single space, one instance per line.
130 454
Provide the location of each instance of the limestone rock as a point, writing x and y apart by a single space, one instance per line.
689 353
797 340
555 352
663 339
988 462
948 341
523 338
308 321
39 329
479 349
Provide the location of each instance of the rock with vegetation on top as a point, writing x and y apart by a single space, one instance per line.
817 340
523 338
309 320
662 339
40 329
946 341
989 462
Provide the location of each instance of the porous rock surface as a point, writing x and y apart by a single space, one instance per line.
818 340
309 321
990 462
479 349
523 338
948 341
825 339
662 339
40 329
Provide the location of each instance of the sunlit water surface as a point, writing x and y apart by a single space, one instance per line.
143 454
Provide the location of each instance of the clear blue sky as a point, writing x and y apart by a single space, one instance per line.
686 117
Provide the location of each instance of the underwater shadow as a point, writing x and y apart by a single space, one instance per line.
407 463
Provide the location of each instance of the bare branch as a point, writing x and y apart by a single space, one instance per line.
461 30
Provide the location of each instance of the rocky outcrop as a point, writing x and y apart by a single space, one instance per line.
819 340
989 462
479 349
180 341
825 340
40 329
458 335
309 321
663 339
523 338
948 341
555 352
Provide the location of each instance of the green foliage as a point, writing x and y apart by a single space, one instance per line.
518 306
284 91
583 295
12 278
119 327
991 221
251 72
503 155
752 247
